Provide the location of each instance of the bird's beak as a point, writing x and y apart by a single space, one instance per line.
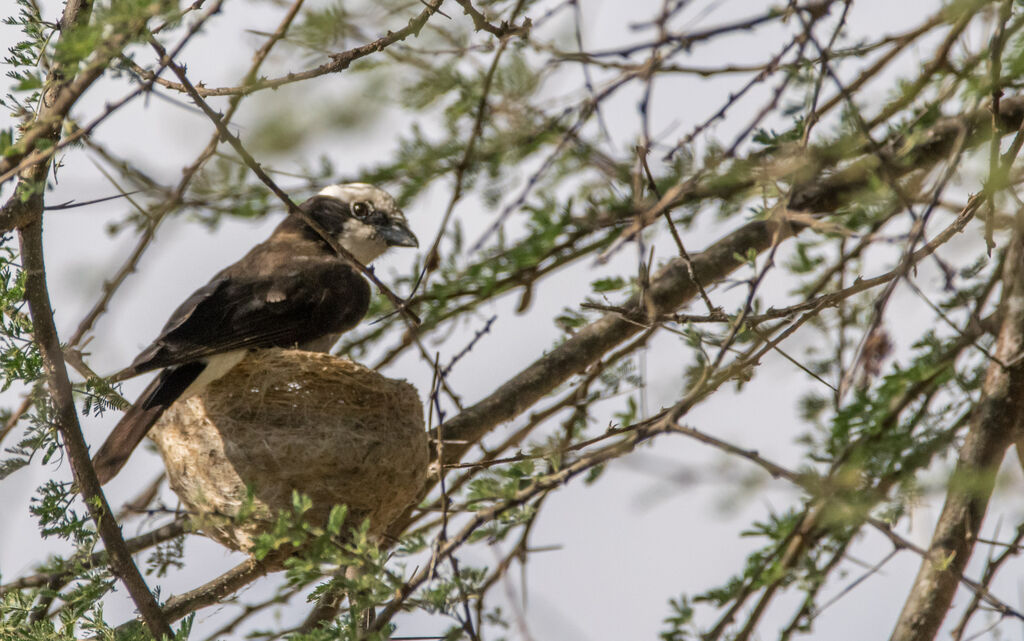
396 234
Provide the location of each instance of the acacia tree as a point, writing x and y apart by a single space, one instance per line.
813 203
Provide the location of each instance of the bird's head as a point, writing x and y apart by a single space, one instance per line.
364 219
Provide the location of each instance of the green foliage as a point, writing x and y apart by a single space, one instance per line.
7 142
679 623
500 483
24 56
98 396
882 431
226 187
283 132
610 284
497 487
344 628
166 556
325 27
550 240
629 415
1013 56
290 529
54 508
103 37
450 589
571 320
20 361
803 261
812 406
500 526
762 565
16 607
558 189
39 436
772 140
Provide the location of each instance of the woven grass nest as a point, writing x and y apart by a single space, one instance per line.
285 420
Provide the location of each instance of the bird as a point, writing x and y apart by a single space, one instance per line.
291 290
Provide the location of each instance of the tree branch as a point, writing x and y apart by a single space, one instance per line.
133 545
292 208
59 96
62 95
670 288
999 412
215 590
45 334
339 62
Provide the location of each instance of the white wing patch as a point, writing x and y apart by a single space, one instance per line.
216 366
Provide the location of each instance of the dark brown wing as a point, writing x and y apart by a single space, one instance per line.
246 307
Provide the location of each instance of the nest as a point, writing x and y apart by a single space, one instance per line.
284 421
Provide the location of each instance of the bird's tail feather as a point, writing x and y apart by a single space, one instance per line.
133 426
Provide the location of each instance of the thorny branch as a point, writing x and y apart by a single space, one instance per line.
811 188
339 62
292 208
45 334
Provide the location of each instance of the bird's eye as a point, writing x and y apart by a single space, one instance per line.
361 209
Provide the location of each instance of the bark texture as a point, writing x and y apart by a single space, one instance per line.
992 428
